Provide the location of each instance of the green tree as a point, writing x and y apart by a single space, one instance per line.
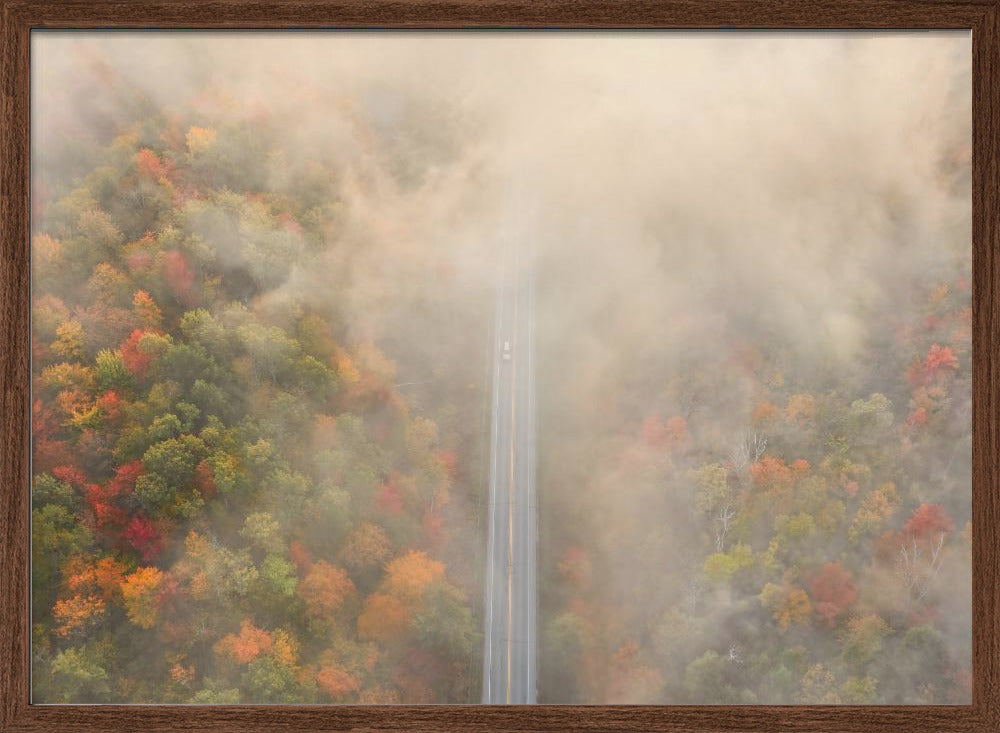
563 645
709 678
267 682
445 622
56 535
110 372
82 675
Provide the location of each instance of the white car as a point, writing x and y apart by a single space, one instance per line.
506 350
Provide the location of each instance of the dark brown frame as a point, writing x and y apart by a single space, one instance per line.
19 17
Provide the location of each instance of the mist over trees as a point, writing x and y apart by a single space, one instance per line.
264 274
239 494
755 440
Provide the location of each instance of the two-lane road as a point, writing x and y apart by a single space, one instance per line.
510 652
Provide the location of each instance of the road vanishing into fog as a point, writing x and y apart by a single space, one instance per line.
510 654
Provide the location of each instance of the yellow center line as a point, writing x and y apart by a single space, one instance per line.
513 483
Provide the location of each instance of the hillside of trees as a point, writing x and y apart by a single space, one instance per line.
264 275
739 517
235 499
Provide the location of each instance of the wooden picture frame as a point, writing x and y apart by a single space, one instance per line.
19 17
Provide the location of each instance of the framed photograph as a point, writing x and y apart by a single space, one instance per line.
499 366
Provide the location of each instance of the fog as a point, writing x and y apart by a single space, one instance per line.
721 222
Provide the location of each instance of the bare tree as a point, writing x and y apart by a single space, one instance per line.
726 514
918 567
721 488
748 451
734 654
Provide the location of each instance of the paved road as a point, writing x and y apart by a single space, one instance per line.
510 654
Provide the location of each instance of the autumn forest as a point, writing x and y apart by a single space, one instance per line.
263 291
